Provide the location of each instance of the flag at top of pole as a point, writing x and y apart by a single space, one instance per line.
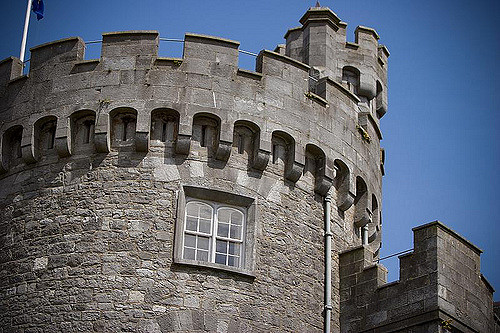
37 8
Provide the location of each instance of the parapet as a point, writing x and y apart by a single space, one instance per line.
206 81
440 285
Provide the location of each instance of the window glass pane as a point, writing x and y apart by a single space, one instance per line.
190 241
203 243
220 259
235 232
233 261
221 246
202 255
236 218
188 253
191 223
223 215
205 226
192 208
206 212
234 248
222 230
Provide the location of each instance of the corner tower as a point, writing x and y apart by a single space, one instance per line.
150 194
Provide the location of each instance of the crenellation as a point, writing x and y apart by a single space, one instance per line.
429 291
59 52
10 68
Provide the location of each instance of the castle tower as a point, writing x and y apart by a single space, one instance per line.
149 194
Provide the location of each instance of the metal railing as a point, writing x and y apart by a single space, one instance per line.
393 255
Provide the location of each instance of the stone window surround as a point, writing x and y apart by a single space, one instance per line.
249 204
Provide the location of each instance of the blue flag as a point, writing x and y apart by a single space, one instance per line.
37 8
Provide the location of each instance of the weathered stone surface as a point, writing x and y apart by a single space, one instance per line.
91 197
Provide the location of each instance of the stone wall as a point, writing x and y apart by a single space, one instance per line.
440 288
94 158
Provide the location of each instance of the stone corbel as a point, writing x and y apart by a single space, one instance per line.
225 144
295 164
261 155
346 200
374 236
142 141
27 147
142 132
183 144
223 150
322 185
363 218
102 134
293 171
63 139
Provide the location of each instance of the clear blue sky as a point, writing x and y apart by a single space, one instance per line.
440 133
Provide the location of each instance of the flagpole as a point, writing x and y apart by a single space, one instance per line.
25 32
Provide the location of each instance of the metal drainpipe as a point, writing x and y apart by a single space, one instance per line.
364 234
328 263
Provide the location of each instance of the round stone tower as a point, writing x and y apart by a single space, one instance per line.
148 194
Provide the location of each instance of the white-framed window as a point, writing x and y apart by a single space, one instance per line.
215 229
213 233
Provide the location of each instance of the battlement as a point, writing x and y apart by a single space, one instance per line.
361 66
205 81
440 282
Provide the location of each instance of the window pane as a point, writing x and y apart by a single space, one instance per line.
191 223
234 248
188 253
205 226
192 208
221 246
202 255
190 241
206 212
233 261
235 232
220 259
203 243
236 218
223 230
223 215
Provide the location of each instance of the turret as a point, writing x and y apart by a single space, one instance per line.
361 67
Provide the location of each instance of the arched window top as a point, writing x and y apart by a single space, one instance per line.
350 76
123 112
199 216
361 187
45 132
374 203
204 118
315 151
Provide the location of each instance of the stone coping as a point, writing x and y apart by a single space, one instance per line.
60 41
284 58
249 73
321 13
367 29
451 232
221 40
291 30
385 50
349 94
130 32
